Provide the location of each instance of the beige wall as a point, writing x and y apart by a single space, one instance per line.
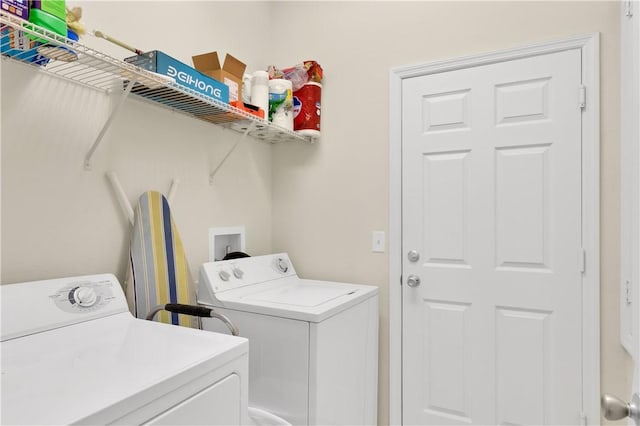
59 219
330 196
318 202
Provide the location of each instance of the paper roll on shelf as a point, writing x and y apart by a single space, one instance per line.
281 103
306 109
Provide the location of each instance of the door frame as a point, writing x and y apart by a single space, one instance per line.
589 45
629 180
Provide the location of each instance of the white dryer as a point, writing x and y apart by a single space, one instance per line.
313 345
72 353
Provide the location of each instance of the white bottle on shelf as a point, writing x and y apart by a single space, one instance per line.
260 91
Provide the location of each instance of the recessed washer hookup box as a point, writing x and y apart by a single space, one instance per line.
161 63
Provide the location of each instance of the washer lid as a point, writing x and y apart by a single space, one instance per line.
269 285
295 298
308 295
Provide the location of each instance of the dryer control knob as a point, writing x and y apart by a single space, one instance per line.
85 296
282 265
224 275
238 273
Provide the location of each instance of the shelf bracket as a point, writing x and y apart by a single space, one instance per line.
235 145
107 124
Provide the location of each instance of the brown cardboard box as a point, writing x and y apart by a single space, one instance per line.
230 73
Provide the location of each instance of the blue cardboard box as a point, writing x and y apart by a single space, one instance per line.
161 63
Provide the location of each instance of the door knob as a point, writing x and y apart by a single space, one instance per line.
615 409
413 256
413 281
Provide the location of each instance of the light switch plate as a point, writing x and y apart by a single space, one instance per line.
377 241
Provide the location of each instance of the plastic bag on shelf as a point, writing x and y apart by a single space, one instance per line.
299 74
314 70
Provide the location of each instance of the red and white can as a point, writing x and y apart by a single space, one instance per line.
306 109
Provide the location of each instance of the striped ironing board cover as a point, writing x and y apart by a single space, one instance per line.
158 268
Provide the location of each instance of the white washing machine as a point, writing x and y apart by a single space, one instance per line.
72 353
313 345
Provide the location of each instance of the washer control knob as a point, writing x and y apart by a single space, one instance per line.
224 275
85 296
282 265
238 273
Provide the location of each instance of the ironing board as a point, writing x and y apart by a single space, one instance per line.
158 268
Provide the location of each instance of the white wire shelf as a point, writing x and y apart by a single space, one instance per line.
83 65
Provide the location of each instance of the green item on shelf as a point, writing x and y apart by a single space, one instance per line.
56 8
48 22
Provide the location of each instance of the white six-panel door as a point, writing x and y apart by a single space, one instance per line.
491 203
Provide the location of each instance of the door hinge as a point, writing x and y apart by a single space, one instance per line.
628 8
583 419
582 96
582 260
